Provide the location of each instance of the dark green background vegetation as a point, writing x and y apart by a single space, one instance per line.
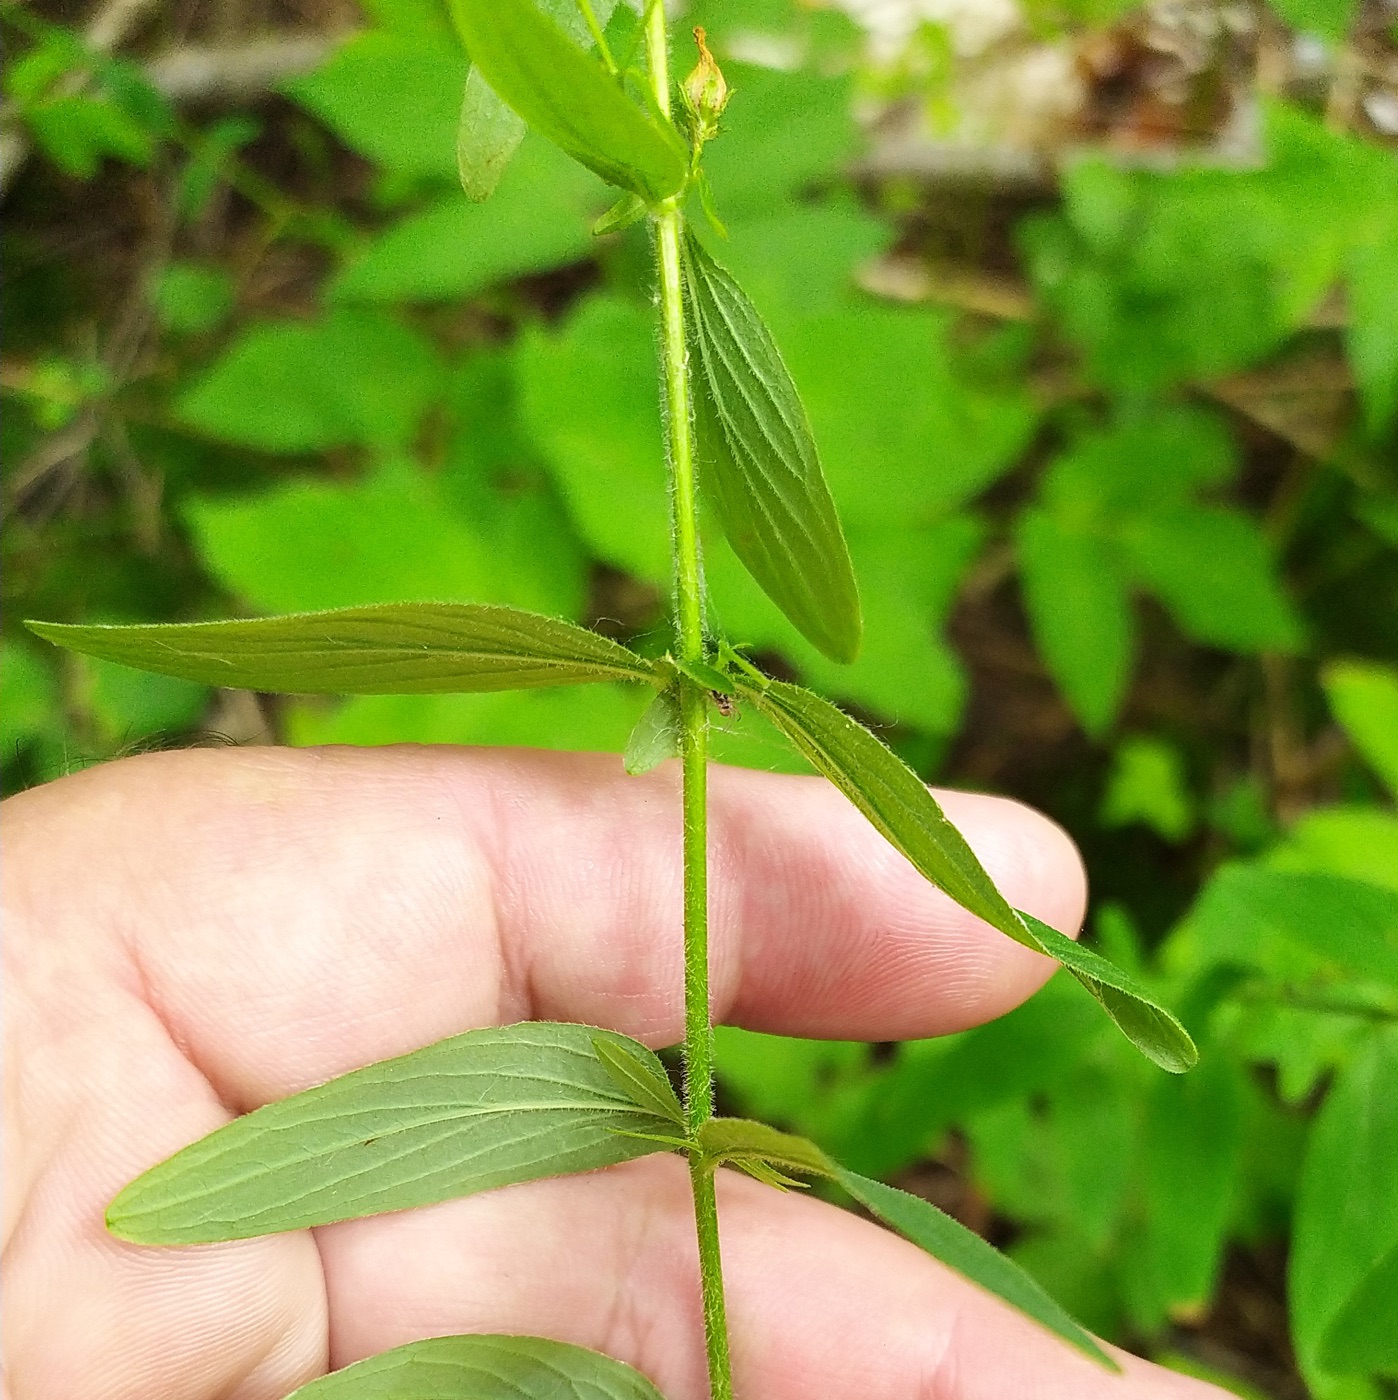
1119 470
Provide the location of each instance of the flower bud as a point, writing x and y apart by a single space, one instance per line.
705 92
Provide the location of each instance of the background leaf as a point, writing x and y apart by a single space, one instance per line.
590 398
1365 701
536 220
483 1367
1080 609
1210 566
393 96
1193 1157
1362 1336
1329 19
394 534
483 1109
354 376
1347 1203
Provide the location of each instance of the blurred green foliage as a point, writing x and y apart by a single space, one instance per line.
460 402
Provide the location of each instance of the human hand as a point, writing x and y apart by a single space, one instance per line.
191 935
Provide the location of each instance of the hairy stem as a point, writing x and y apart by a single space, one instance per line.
698 1030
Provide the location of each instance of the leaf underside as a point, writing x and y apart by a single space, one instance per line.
742 1140
485 1367
488 134
656 736
898 804
564 94
388 649
961 1249
758 463
641 1079
483 1109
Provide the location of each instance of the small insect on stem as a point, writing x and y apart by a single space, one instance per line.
727 706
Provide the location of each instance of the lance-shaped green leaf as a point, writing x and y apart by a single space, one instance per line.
1153 1030
758 463
390 649
484 1109
641 1078
483 1367
899 805
490 130
564 94
962 1250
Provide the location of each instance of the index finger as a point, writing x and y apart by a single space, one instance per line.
294 914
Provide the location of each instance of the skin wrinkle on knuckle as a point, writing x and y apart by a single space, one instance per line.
655 1231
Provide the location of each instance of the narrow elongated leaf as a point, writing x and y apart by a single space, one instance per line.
641 1078
564 94
887 791
483 1109
1153 1030
960 1249
389 649
899 805
490 131
488 135
758 463
483 1367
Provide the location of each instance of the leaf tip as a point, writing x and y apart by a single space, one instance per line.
49 631
1179 1059
120 1225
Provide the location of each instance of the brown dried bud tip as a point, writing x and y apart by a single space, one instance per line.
705 90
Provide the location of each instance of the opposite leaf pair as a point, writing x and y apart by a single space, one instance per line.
416 648
485 1109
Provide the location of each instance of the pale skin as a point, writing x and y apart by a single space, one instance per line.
188 936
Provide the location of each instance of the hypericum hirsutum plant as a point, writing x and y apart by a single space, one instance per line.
516 1103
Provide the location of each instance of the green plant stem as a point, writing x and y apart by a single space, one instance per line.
698 1029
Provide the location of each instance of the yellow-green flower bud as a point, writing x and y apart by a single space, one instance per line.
705 92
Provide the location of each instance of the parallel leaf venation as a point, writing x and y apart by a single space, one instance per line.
394 648
480 1110
484 1367
758 461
